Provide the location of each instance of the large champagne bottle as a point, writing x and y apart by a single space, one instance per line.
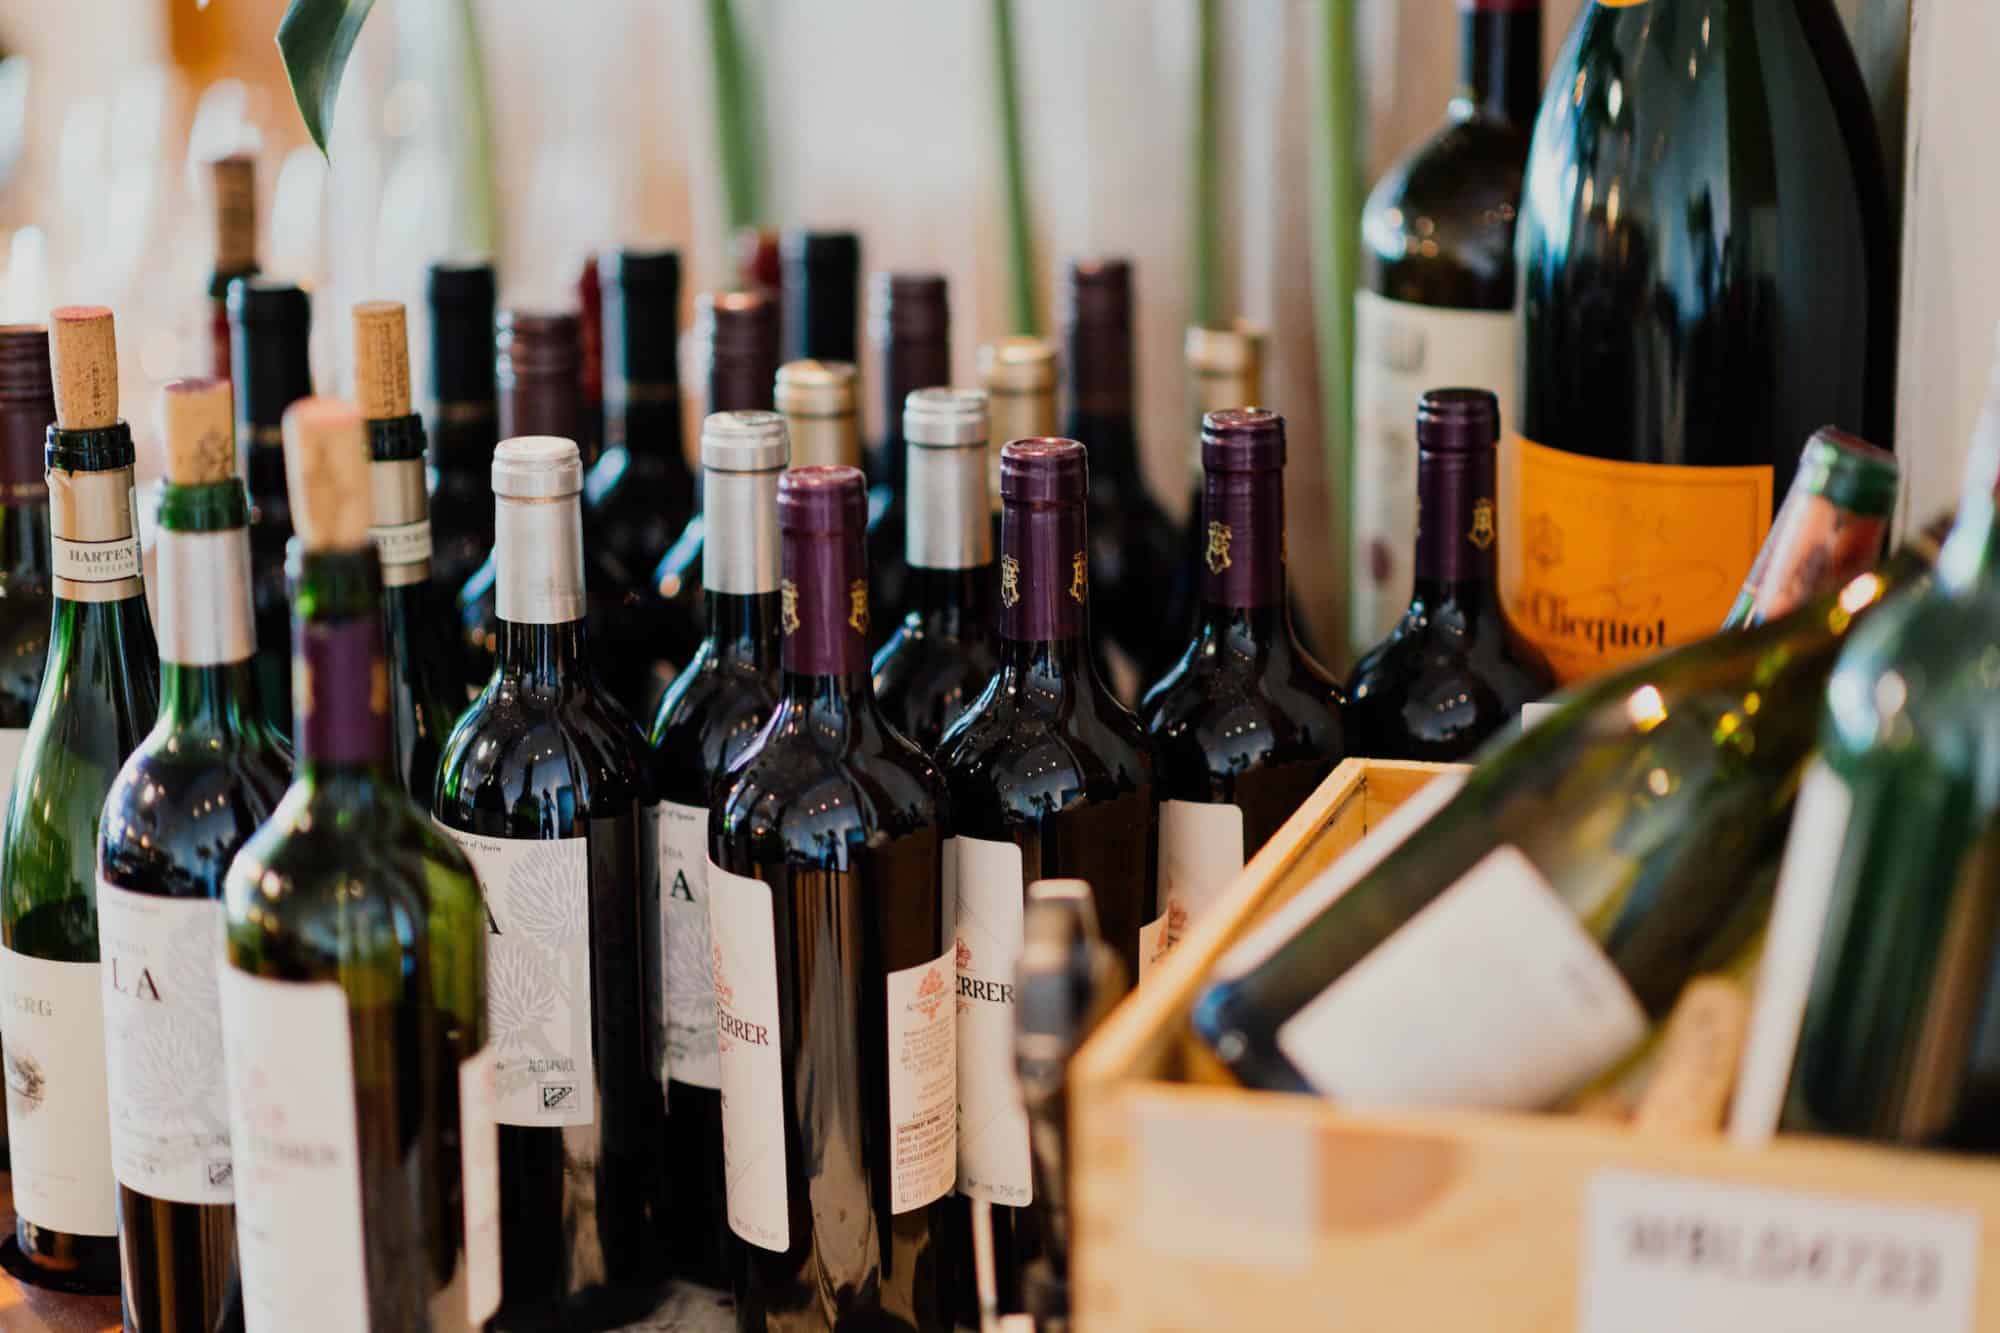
99 696
1707 276
1558 896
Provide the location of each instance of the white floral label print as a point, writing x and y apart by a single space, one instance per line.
163 1045
537 976
53 1025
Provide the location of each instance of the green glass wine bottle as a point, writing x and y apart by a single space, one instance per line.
1879 969
1560 894
99 695
353 977
1837 513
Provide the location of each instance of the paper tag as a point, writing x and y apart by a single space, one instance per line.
58 1117
745 959
923 1081
1670 1254
479 1147
993 1161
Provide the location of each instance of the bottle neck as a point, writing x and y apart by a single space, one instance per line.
832 439
24 428
24 537
213 700
743 628
538 550
1458 534
548 656
462 437
400 510
949 523
740 382
645 420
94 535
1044 573
202 587
1243 559
1971 554
540 404
340 680
823 608
908 364
740 553
1100 410
1500 60
264 471
1018 414
1216 391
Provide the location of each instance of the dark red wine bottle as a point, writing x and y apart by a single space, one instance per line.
1448 676
270 324
234 182
822 287
1246 724
712 713
909 321
1051 778
946 649
833 965
546 786
466 423
1133 544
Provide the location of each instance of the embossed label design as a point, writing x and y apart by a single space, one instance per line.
689 1010
58 1127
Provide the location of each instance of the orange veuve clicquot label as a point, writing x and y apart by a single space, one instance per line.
1610 562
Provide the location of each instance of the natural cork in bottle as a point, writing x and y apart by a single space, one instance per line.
326 474
381 360
197 420
83 356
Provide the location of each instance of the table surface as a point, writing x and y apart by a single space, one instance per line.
27 1309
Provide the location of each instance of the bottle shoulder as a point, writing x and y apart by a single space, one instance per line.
1021 747
185 792
1919 678
572 747
1220 713
710 716
802 786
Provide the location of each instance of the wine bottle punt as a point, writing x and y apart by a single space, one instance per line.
1707 275
1587 869
546 786
1051 778
1436 299
833 965
99 696
205 777
425 692
233 183
353 977
820 407
1246 724
712 713
822 285
946 650
270 324
465 424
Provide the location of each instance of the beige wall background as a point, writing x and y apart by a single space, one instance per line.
878 114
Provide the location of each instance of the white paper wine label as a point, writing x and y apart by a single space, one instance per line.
1402 350
58 1122
689 1008
293 1118
479 1147
745 958
923 1082
403 543
163 1045
1153 945
1493 996
991 897
1791 953
1201 849
1666 1254
537 975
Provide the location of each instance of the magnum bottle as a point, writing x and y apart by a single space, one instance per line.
822 281
466 422
234 182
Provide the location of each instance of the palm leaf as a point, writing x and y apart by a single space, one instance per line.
315 39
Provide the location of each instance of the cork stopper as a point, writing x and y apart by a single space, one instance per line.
235 214
83 353
326 473
381 360
198 422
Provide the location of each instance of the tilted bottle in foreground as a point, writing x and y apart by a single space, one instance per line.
1836 516
210 771
99 696
833 965
1558 896
353 977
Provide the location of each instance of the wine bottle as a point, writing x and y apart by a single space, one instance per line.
269 325
1246 724
466 423
1881 957
424 689
822 283
99 695
1835 516
833 964
1019 376
641 493
818 401
1225 370
738 335
1446 678
1589 867
1436 299
544 784
1131 540
1707 275
759 264
940 658
590 363
234 182
1051 778
27 410
353 976
712 713
210 771
909 321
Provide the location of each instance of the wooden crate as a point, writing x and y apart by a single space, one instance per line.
1200 1205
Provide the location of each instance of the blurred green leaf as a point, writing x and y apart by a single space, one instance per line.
315 38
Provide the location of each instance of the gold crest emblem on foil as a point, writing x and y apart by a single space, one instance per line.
1219 537
1483 533
857 605
1010 580
1079 577
788 606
